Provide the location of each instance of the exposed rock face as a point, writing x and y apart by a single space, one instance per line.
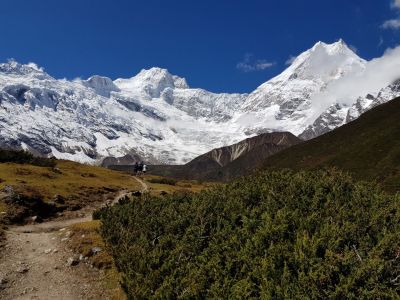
270 142
125 160
231 161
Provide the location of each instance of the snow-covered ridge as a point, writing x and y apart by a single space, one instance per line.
156 115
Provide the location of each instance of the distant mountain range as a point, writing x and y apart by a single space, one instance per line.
156 117
230 161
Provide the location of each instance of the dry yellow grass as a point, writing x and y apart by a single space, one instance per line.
85 236
66 179
185 185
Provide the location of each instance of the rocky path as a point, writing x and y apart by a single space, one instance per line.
34 263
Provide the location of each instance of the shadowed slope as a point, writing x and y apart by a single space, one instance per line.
369 148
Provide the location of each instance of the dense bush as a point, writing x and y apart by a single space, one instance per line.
307 235
163 180
23 157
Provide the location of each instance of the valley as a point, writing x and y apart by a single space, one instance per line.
199 150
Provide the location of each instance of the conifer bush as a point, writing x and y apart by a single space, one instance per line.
278 235
24 157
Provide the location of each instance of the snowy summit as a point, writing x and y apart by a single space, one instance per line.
156 115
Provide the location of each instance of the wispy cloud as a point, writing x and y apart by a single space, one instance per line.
249 64
290 60
379 72
393 24
396 4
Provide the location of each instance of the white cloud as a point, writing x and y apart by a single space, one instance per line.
391 24
290 60
248 64
396 4
379 72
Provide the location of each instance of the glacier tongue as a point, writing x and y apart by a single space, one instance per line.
156 115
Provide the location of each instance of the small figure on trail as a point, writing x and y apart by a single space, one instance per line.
144 169
140 168
136 168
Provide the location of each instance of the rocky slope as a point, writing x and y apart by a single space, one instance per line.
231 161
155 116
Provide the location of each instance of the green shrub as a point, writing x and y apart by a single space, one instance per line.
163 180
99 213
23 157
280 235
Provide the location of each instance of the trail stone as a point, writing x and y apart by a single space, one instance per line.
23 270
3 281
72 261
96 250
36 219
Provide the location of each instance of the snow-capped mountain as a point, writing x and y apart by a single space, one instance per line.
339 114
156 115
285 103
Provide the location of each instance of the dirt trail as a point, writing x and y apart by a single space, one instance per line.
145 188
33 264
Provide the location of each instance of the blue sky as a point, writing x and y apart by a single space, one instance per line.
219 45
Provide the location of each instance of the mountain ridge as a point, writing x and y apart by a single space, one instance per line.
229 161
366 147
157 117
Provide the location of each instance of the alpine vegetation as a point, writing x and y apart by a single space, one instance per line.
279 235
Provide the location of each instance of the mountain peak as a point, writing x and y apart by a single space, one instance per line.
152 82
13 67
161 75
155 71
324 61
102 85
339 47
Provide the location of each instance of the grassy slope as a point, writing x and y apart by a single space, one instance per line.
79 184
369 148
181 185
71 178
